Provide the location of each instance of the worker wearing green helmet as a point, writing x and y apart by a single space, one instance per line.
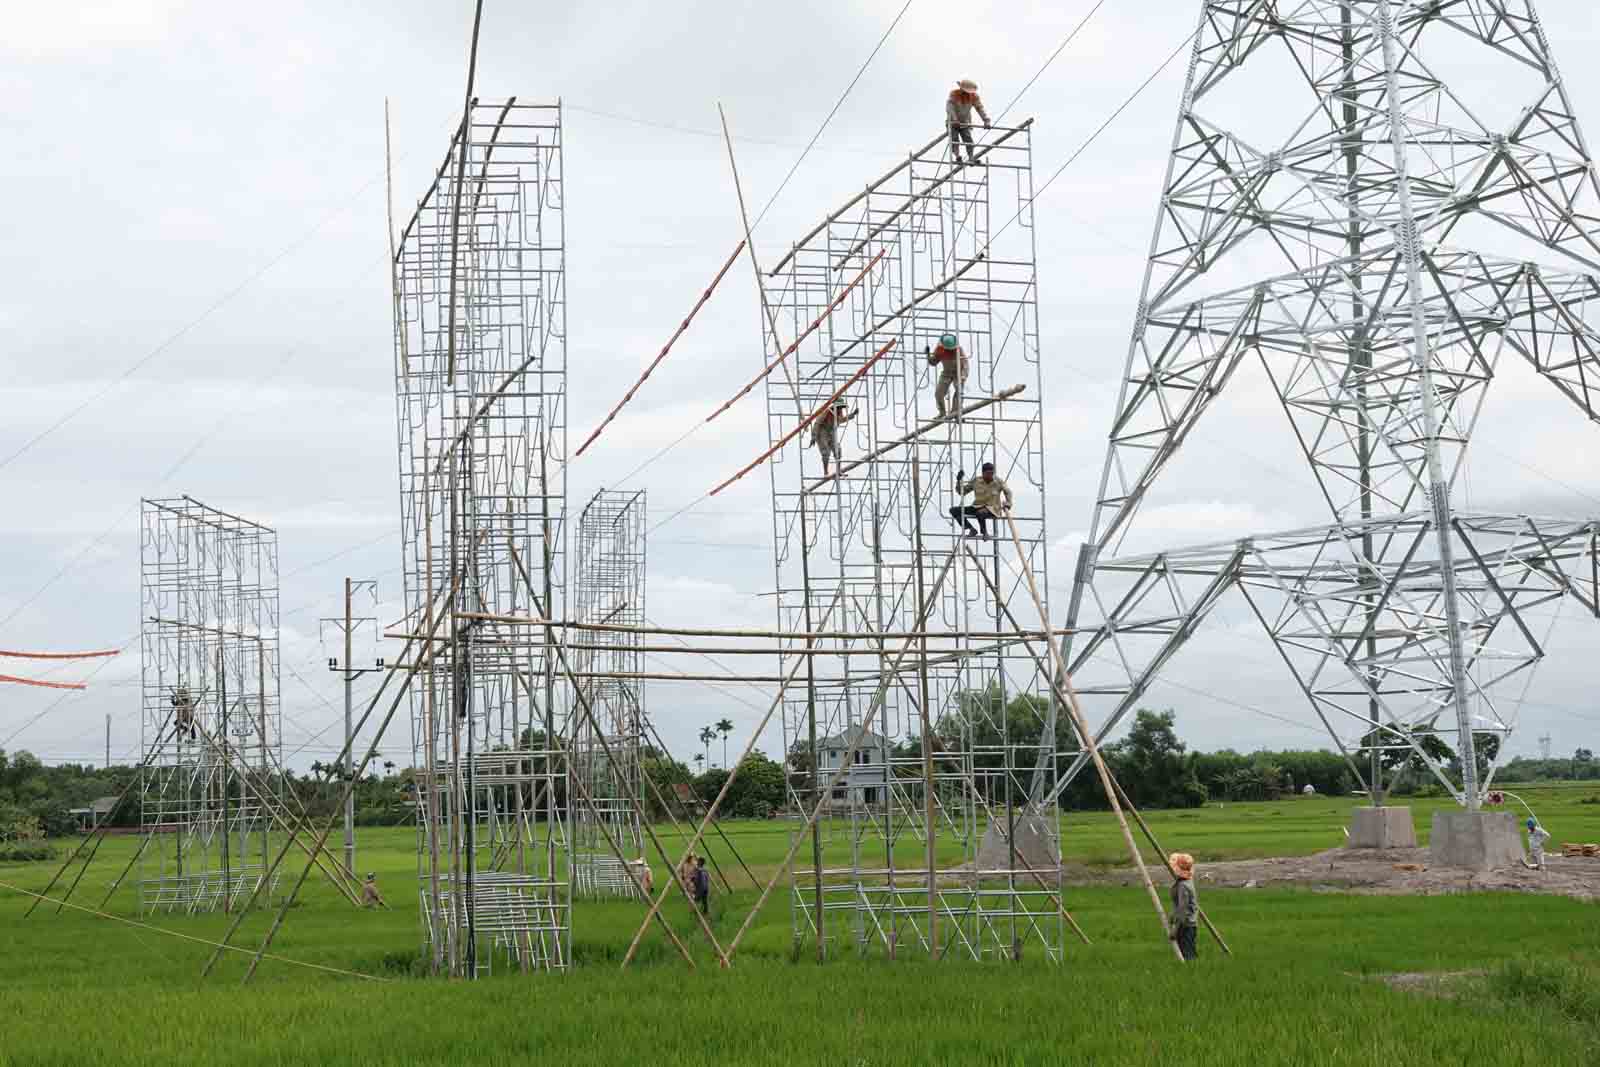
952 364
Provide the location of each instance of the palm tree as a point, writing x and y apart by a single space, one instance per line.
707 735
725 727
317 768
388 767
701 761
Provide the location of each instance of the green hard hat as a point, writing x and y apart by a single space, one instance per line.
947 340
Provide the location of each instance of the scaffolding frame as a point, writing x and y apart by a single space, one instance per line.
609 588
951 753
210 716
481 365
1355 260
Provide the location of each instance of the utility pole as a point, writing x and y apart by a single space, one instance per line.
108 741
1544 746
347 625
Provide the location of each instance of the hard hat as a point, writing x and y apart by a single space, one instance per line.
947 340
371 875
968 85
1531 822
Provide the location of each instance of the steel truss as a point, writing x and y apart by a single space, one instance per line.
480 355
1360 257
609 589
910 854
210 789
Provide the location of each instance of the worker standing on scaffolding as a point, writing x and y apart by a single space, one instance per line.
952 363
183 713
991 498
958 118
825 432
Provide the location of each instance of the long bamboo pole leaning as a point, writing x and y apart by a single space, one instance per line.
425 654
809 419
679 332
1084 734
461 173
1149 833
716 803
900 442
600 735
845 762
795 344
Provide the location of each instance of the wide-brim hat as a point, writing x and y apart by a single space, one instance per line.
1183 863
967 85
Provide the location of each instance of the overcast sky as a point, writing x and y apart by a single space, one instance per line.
194 273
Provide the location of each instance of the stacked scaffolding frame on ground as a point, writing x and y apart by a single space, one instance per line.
480 356
609 587
210 792
945 749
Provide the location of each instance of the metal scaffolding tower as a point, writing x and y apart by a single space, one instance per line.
1358 196
480 383
209 787
948 737
609 590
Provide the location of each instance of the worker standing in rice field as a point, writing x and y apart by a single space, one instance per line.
952 364
370 897
1183 925
1537 836
958 108
825 432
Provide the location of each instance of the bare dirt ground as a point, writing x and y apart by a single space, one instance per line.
1401 872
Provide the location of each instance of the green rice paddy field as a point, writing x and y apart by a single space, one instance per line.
1305 985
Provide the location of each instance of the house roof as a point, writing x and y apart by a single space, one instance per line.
841 742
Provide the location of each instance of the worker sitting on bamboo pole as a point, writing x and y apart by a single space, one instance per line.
991 498
1184 923
958 118
952 364
370 897
183 713
825 432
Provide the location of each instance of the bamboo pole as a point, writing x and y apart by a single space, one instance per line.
682 327
1168 863
461 173
600 735
1087 737
809 419
424 655
716 803
845 762
978 405
683 631
809 330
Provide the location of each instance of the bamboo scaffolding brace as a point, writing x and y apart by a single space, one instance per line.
424 656
899 312
682 327
808 420
681 631
1087 738
882 450
14 680
809 330
588 712
845 763
59 655
716 803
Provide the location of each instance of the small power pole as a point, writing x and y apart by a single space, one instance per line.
108 741
1544 746
347 625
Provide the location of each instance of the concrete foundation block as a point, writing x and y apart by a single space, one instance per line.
1476 840
1382 828
1035 843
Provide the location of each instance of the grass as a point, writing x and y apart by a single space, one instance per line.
79 990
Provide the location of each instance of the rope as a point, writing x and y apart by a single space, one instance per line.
190 937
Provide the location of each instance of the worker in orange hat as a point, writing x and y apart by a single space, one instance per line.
1183 925
958 118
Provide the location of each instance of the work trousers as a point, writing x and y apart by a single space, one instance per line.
1187 938
962 131
983 515
952 376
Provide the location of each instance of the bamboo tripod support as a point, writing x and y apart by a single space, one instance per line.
1087 738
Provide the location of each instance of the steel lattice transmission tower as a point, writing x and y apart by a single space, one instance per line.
1374 204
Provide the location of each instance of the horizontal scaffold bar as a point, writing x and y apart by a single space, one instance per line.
796 635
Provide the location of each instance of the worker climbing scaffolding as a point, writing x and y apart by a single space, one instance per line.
951 360
825 432
991 498
958 108
183 713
